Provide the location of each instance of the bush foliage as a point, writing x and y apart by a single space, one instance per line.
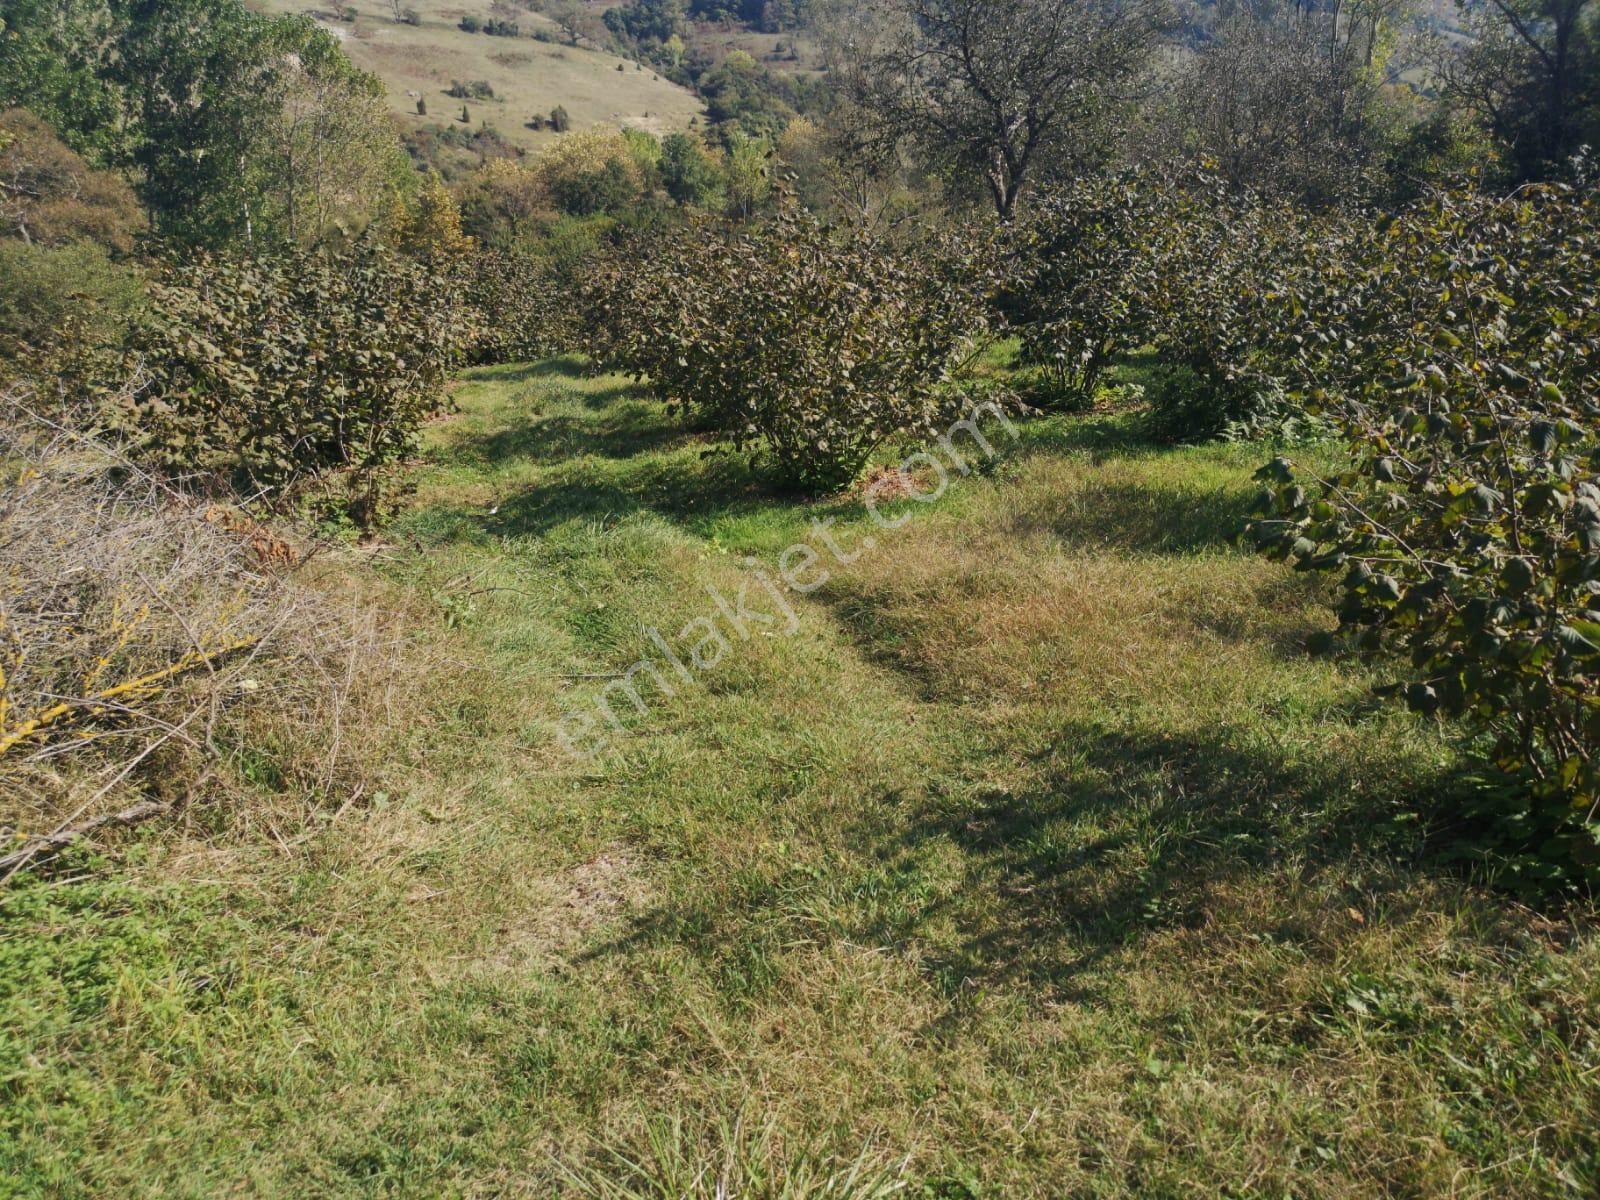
50 196
1078 300
520 307
1457 347
1166 258
271 369
818 344
58 303
1454 346
1211 306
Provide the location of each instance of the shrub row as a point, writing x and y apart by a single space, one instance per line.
1169 260
521 307
264 370
813 344
493 26
1453 346
1457 349
1077 294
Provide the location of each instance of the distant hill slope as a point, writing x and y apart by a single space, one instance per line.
529 77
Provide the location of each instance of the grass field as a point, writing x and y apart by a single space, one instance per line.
529 77
1037 861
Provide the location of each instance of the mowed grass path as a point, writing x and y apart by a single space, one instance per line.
1039 860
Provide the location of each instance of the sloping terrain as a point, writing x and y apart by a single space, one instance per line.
1030 856
529 77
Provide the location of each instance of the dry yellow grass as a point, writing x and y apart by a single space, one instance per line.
161 657
529 77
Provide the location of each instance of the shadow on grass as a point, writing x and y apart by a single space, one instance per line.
1122 837
1146 517
641 460
565 366
684 488
1121 435
657 475
559 439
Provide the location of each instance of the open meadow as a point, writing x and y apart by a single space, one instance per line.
530 78
1029 855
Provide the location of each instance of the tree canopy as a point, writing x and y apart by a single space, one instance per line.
1005 89
233 124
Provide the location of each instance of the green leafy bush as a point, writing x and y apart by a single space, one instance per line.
521 307
1219 260
1078 302
689 173
1186 405
1167 258
271 369
58 303
470 89
818 344
1458 350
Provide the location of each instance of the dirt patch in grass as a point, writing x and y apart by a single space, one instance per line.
883 484
567 910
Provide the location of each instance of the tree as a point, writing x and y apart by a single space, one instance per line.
1288 99
777 16
646 21
836 165
505 202
52 62
576 21
332 144
813 344
188 97
201 166
749 174
1002 90
274 368
689 174
739 93
428 227
65 230
590 172
1531 71
1077 297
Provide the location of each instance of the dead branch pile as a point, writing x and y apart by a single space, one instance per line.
156 651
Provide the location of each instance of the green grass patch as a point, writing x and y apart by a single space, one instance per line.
1040 859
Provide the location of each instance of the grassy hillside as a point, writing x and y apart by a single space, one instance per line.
1038 860
529 77
794 52
719 38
